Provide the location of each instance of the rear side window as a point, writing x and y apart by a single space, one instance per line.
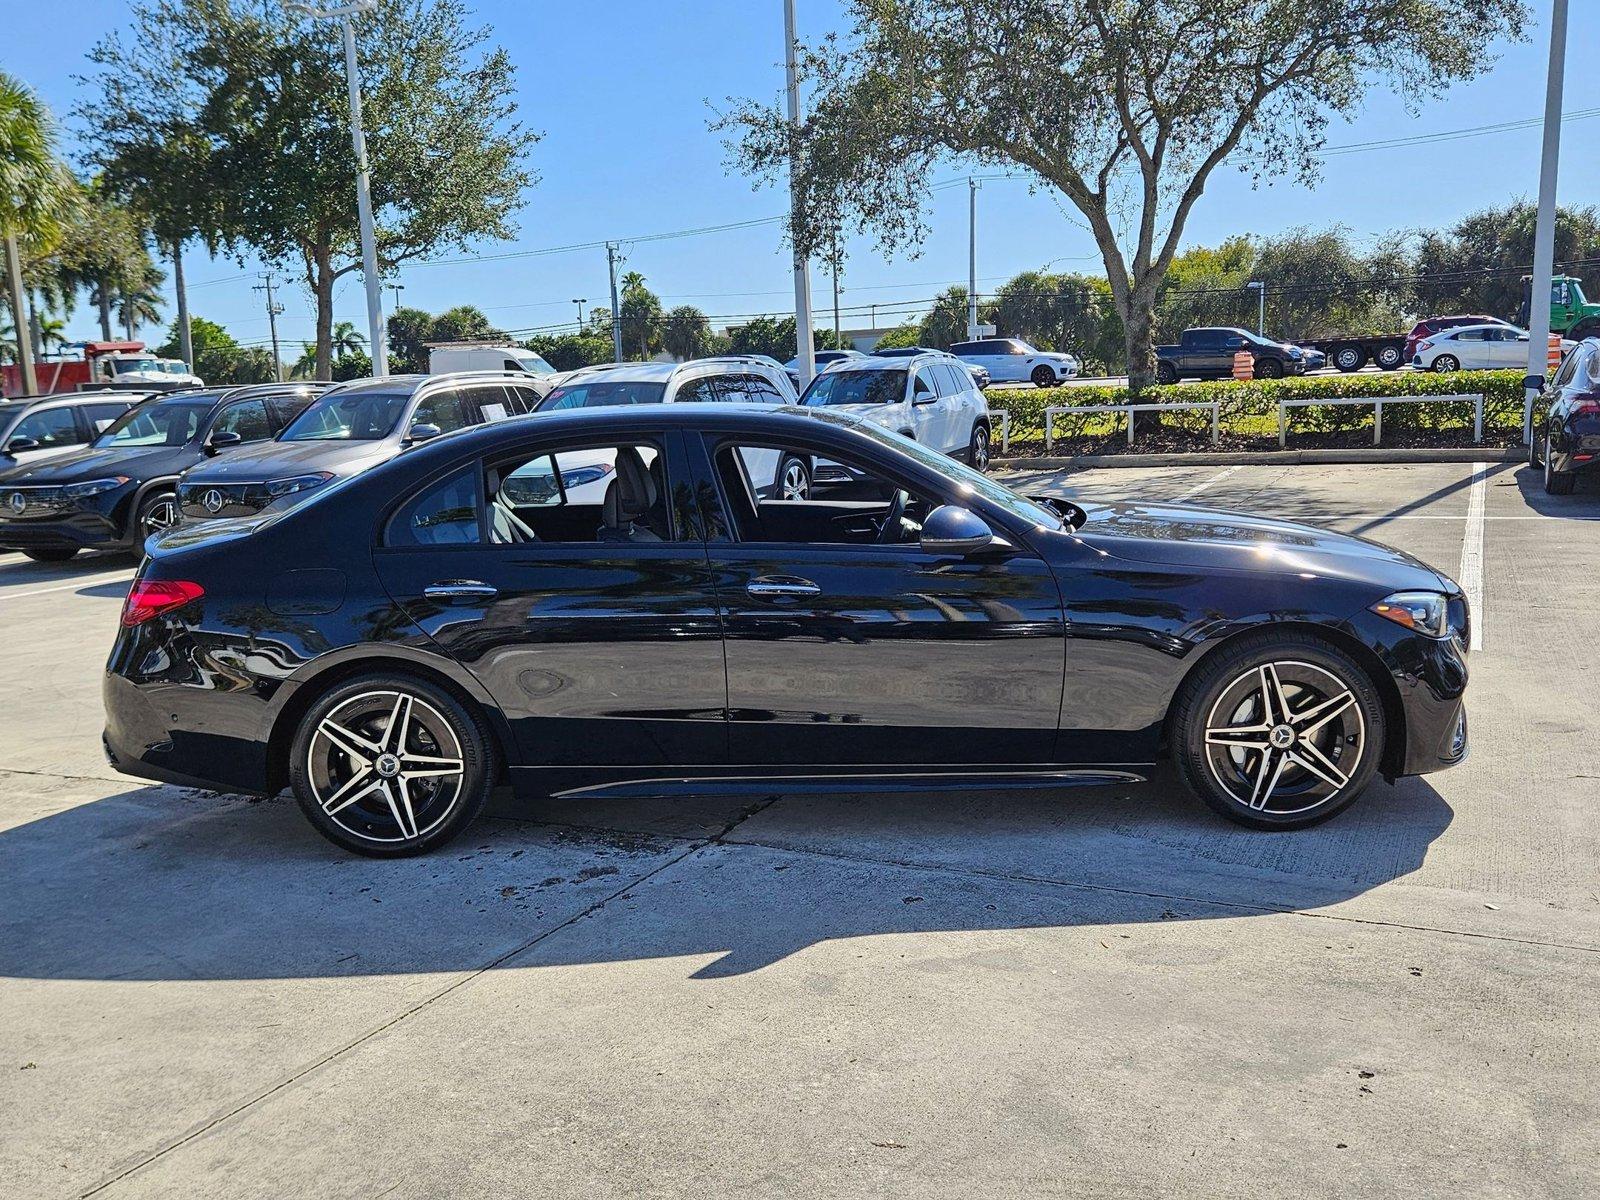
283 409
445 410
100 416
1472 335
445 513
699 391
248 419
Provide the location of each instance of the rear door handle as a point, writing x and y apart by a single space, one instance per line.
460 589
781 585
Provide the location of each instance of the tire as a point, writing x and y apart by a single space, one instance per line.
1298 771
1349 358
1557 483
157 512
1166 373
379 818
55 554
793 480
1043 376
1390 357
1534 441
1445 363
978 447
1269 368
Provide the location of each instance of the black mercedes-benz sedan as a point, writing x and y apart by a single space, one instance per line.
392 645
1565 440
119 490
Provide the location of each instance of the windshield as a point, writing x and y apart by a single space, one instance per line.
969 480
856 387
123 365
158 423
601 393
348 417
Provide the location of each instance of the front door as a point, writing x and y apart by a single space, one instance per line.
591 620
849 647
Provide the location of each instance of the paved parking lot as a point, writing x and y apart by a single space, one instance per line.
1107 994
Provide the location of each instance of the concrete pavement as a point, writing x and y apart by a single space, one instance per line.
1105 994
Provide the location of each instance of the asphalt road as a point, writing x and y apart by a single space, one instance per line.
1109 994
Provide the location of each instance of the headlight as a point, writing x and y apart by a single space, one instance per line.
1426 612
93 487
579 476
278 488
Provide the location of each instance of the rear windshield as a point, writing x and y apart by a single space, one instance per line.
158 423
601 393
856 387
348 417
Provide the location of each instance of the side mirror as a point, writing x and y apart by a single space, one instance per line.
951 529
19 444
422 431
222 439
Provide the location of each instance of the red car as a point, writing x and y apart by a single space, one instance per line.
1434 325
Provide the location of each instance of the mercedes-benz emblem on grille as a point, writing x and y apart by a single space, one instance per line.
212 500
17 502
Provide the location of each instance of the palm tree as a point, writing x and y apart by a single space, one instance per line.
51 330
37 193
139 306
687 333
346 340
305 367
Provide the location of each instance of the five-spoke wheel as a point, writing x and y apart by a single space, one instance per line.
1280 732
390 765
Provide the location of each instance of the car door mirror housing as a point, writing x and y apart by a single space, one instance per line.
422 431
951 529
221 440
19 444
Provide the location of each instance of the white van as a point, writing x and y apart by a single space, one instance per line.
446 358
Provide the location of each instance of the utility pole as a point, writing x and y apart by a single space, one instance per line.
369 248
972 259
30 381
1544 232
838 337
185 336
580 302
616 307
805 352
273 309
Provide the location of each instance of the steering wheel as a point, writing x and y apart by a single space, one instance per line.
889 531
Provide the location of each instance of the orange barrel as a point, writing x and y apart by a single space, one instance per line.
1244 365
1552 358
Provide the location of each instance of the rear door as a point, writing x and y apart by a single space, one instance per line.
602 652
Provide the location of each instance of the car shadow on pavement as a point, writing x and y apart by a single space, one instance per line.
166 883
1581 505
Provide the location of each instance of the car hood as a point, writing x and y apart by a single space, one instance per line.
140 462
1211 538
276 460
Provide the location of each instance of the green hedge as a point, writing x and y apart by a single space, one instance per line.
1248 404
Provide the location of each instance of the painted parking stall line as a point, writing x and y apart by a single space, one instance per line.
1205 483
1470 577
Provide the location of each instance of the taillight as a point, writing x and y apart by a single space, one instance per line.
1424 344
152 597
1585 406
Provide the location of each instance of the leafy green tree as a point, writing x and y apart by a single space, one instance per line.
946 322
569 351
900 337
410 330
1124 109
464 323
685 332
101 251
346 341
218 357
351 364
639 311
1477 264
245 108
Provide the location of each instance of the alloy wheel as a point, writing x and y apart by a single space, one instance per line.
978 457
385 766
796 481
160 516
1284 738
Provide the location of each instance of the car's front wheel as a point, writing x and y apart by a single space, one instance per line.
1166 373
1269 368
1043 376
157 513
1279 731
390 765
1446 363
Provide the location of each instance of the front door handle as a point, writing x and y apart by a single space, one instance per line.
460 589
770 586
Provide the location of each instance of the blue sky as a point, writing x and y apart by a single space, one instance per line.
622 91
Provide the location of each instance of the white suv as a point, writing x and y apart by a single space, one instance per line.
930 398
730 379
1009 360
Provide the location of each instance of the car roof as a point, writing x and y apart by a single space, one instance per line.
662 372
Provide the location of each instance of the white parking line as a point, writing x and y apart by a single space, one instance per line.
1204 484
1470 576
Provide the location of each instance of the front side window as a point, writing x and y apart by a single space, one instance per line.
50 427
600 393
348 416
248 419
857 387
158 423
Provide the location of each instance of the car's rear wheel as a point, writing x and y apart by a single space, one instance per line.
55 554
1349 358
1269 368
1390 357
1166 373
1446 362
390 765
1278 732
1043 376
794 479
1557 483
978 448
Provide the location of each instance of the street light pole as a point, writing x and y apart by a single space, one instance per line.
369 248
1260 290
1544 231
616 308
972 260
805 353
580 303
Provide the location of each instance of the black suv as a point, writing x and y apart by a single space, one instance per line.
119 490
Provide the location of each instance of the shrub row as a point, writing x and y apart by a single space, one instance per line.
1246 403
